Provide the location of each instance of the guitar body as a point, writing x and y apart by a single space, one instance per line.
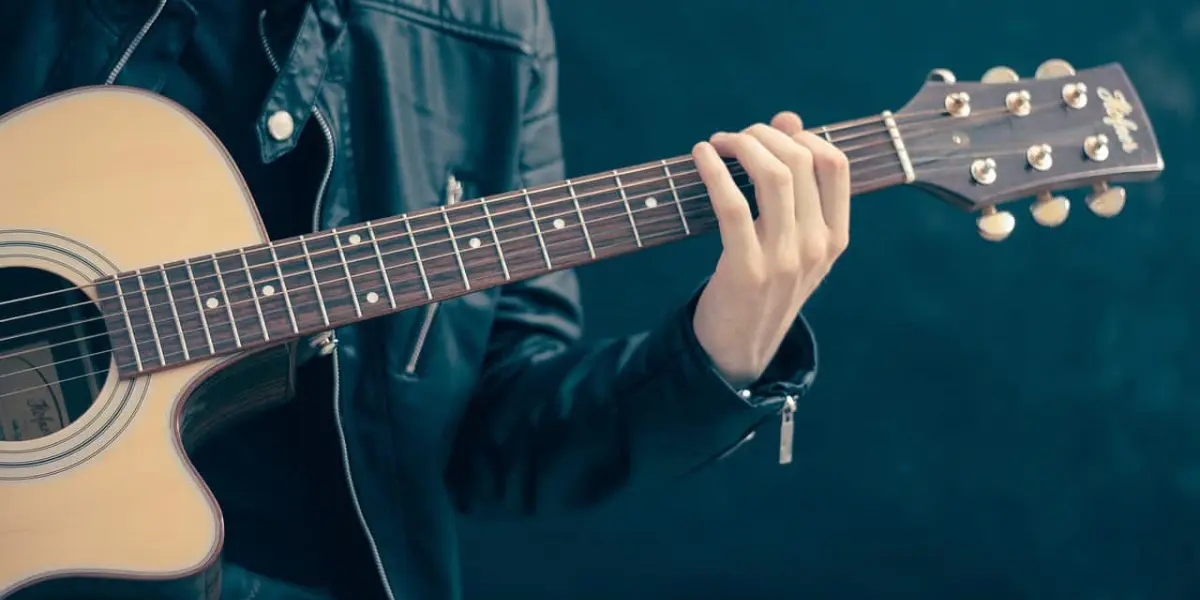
92 182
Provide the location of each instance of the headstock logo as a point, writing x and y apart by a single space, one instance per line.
1117 110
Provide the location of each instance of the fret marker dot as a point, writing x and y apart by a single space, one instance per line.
354 239
212 303
651 202
372 297
474 242
559 223
268 290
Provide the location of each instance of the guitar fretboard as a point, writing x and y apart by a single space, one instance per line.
207 306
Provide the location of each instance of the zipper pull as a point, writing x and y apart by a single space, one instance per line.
787 429
325 343
454 190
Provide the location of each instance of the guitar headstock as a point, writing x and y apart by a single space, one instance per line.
980 144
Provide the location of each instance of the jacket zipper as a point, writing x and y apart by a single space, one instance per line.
137 40
332 338
454 193
787 429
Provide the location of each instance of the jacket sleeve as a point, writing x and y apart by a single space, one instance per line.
556 423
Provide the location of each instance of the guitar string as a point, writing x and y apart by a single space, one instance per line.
704 220
584 180
375 241
262 314
373 258
735 171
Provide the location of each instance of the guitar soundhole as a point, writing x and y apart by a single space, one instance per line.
54 353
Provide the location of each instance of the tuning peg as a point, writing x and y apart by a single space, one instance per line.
1106 201
995 225
1053 68
1050 210
1000 74
942 75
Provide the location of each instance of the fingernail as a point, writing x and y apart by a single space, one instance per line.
720 135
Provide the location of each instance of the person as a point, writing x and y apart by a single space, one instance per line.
339 111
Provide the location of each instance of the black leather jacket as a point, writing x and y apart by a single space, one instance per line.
486 402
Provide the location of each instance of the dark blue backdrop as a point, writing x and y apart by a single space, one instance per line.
992 421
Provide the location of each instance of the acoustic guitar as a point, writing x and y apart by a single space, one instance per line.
152 308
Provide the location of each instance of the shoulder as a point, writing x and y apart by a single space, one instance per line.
523 25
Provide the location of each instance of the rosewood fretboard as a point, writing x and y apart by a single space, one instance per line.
205 306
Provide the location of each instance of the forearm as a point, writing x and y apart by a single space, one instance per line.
560 426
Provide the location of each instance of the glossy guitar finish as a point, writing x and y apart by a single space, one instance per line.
117 191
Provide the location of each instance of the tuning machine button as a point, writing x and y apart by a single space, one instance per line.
1000 74
995 225
1050 210
1096 147
958 104
983 171
1040 157
1075 94
1018 103
1053 69
1106 201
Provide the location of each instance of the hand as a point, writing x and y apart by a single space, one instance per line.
770 266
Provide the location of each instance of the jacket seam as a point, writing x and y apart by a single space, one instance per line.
501 38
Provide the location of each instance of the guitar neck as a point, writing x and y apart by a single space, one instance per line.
207 306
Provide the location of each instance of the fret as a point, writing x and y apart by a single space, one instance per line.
164 316
298 280
563 232
133 342
316 283
287 296
587 235
332 275
405 273
687 230
182 287
364 267
202 306
603 210
114 320
145 329
226 334
253 292
517 238
237 338
270 292
454 246
482 259
436 253
387 284
187 355
416 250
158 349
655 214
637 237
537 228
240 298
693 197
346 269
863 150
487 214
